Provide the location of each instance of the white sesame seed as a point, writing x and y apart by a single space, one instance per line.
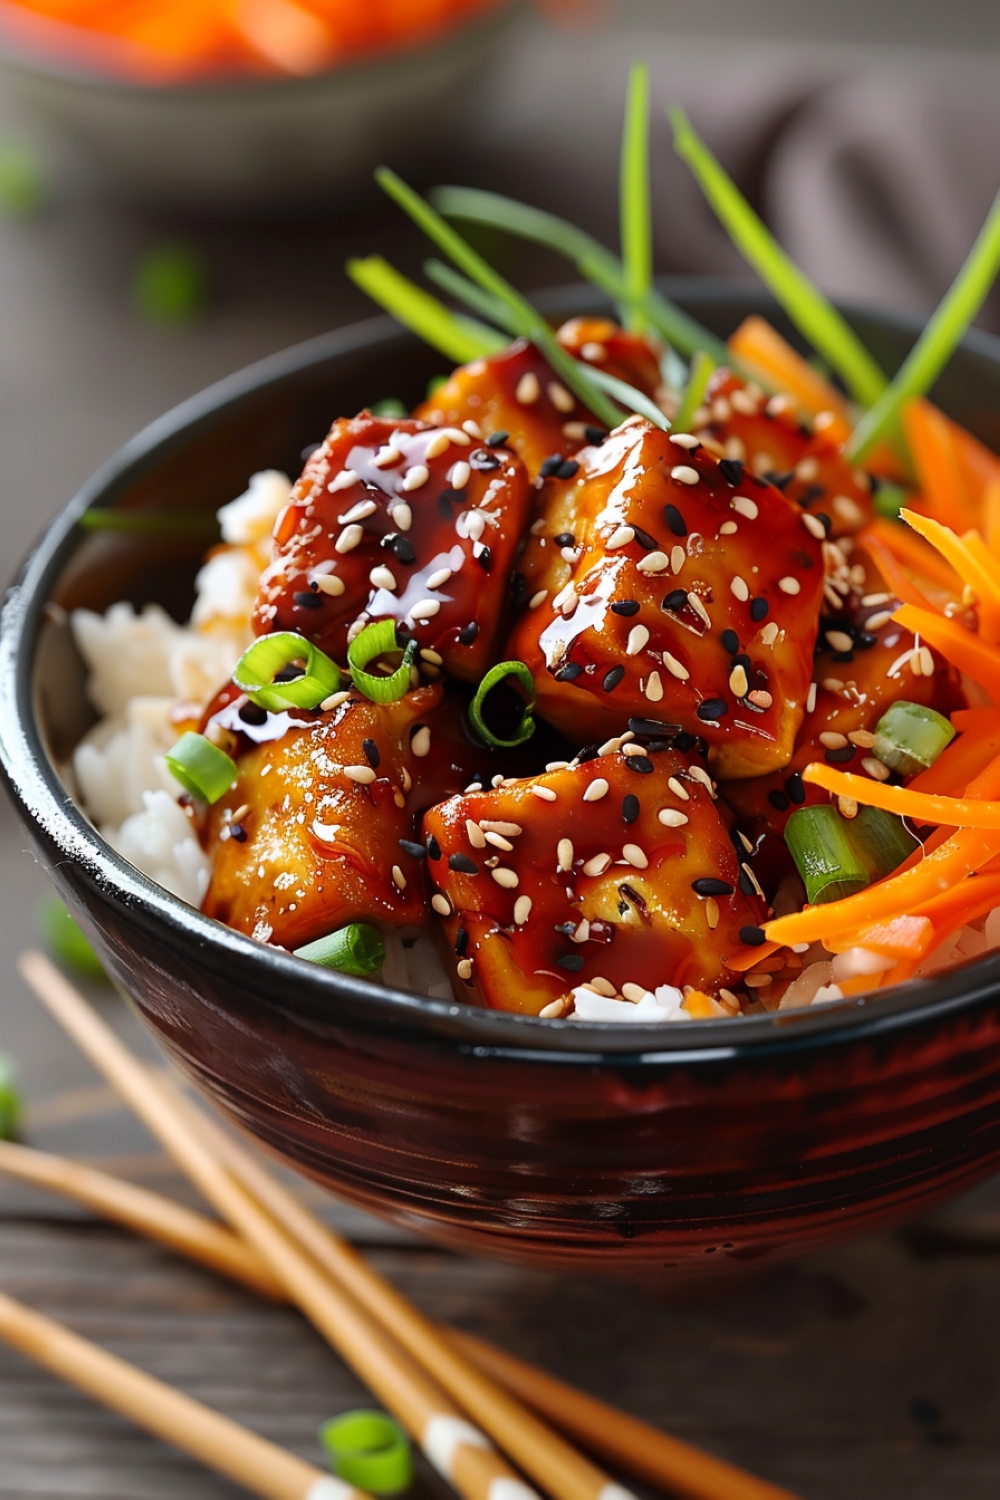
770 633
399 879
425 609
675 668
876 621
620 537
814 526
811 698
685 440
334 701
553 1010
387 456
439 579
522 910
438 444
597 789
402 515
528 388
759 698
441 905
739 588
698 773
457 436
678 557
807 469
349 538
475 834
556 765
832 685
420 743
538 598
697 604
415 477
427 653
832 739
728 528
364 775
545 793
498 841
631 749
875 768
839 640
745 507
473 429
671 817
564 854
654 687
560 396
464 968
789 585
635 856
712 912
870 600
358 512
355 629
342 481
459 475
329 583
927 661
744 403
738 681
597 866
575 432
506 878
637 638
679 789
862 738
593 353
382 578
848 510
684 474
653 562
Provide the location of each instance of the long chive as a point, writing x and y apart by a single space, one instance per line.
633 188
357 949
464 290
815 317
702 366
458 339
592 259
627 394
940 338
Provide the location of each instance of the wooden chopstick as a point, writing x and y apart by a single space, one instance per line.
199 1238
635 1446
460 1451
221 1444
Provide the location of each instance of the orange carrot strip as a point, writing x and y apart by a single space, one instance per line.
928 434
991 516
758 344
898 582
963 759
751 957
923 807
963 649
899 938
964 903
988 606
981 572
913 553
979 467
974 720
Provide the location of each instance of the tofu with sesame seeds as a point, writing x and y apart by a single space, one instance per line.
395 519
677 600
636 886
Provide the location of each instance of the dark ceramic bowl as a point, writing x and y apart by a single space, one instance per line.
685 1147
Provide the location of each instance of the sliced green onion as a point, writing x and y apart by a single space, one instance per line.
170 284
939 340
201 767
702 365
66 938
813 315
270 654
390 406
592 259
889 499
356 949
372 642
369 1450
458 339
493 678
633 188
909 737
150 522
11 1106
837 856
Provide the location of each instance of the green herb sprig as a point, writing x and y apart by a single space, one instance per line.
635 209
458 339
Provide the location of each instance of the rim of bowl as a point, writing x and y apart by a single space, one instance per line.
18 51
319 996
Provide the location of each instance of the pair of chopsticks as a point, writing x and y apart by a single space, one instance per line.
464 1403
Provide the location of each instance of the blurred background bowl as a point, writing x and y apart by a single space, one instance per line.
234 143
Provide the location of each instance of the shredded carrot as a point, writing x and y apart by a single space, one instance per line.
942 483
899 938
964 903
971 562
761 346
964 758
963 649
989 564
991 516
923 807
913 553
751 957
897 581
974 720
980 468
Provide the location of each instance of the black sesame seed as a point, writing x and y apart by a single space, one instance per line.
252 713
595 435
778 800
402 548
433 847
308 600
675 520
288 674
780 481
731 470
646 542
462 864
711 885
612 678
484 557
684 740
795 787
625 607
444 505
238 832
571 961
649 726
565 539
824 521
371 753
810 493
640 763
497 439
630 807
568 672
468 633
742 660
589 752
712 708
730 642
655 746
676 600
483 461
758 609
454 497
840 757
748 885
550 466
568 469
461 941
518 588
415 851
753 936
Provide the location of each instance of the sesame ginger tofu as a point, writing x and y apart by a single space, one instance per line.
665 582
617 873
395 519
322 825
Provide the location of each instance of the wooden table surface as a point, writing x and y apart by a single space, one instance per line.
869 1371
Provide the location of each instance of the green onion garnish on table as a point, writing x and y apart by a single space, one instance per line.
369 1450
11 1107
66 939
909 737
260 665
201 767
525 728
837 856
357 949
379 639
